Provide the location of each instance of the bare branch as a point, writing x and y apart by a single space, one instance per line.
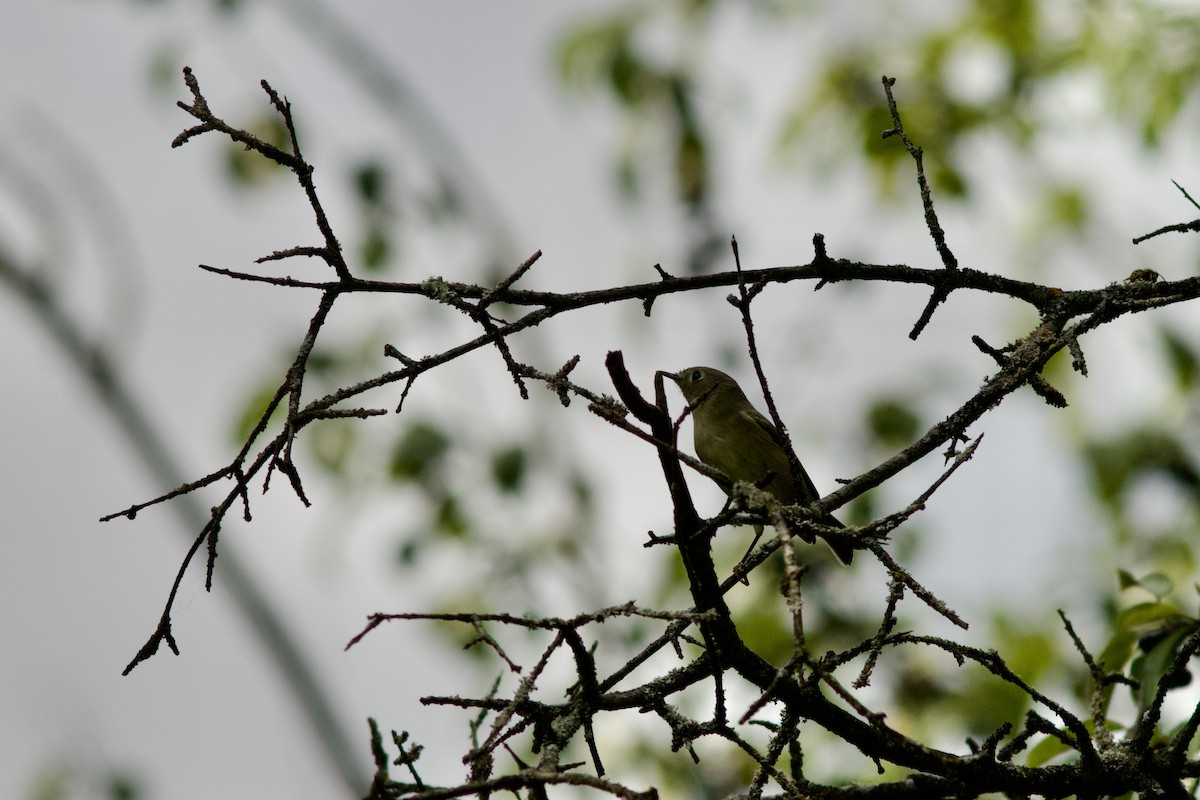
707 639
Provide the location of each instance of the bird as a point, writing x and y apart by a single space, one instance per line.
731 435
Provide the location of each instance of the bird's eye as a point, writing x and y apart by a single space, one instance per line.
696 376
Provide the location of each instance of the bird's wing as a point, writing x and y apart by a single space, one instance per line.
806 490
757 417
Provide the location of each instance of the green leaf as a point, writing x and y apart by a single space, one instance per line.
509 467
375 249
593 52
584 495
248 168
1051 746
252 411
1066 207
440 204
893 422
121 786
450 519
1157 584
1141 617
1118 462
323 361
408 551
1048 748
333 443
1185 365
370 183
1119 650
691 167
628 182
1149 668
422 448
766 631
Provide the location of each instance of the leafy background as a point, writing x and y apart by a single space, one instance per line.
454 141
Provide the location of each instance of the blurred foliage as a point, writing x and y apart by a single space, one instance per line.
972 71
1182 359
461 489
65 779
419 453
658 98
246 167
1004 70
377 214
509 466
605 54
1119 462
1142 458
892 422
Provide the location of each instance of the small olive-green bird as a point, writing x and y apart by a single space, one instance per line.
733 436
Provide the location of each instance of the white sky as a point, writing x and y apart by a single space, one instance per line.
78 598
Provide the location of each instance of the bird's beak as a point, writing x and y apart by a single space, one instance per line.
670 375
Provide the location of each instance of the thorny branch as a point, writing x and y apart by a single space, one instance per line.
807 688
